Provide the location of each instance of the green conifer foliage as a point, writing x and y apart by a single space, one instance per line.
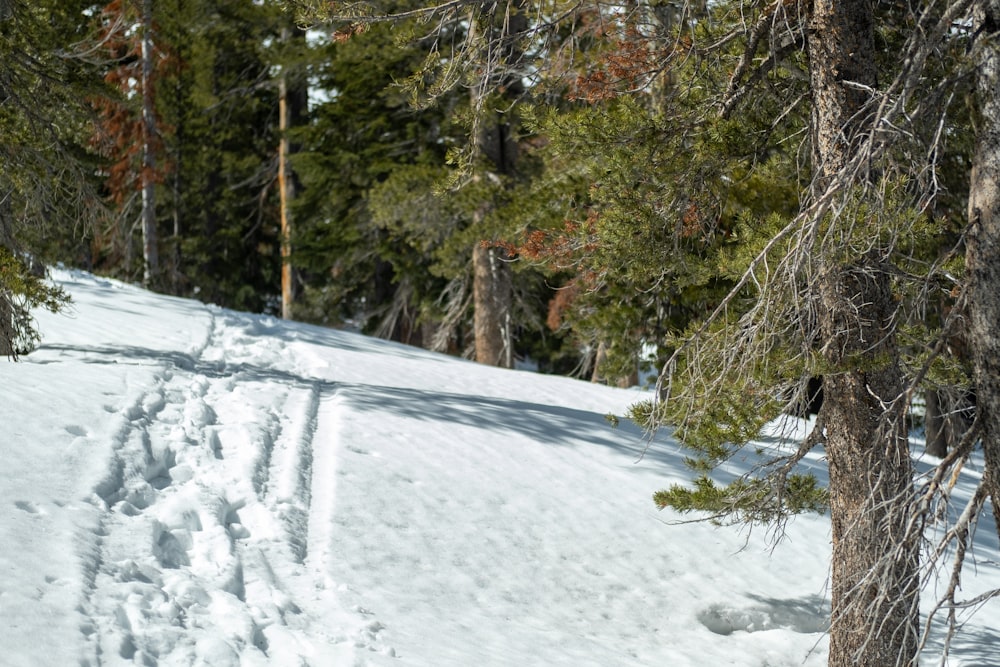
751 501
48 193
220 207
23 291
131 141
656 194
678 204
761 193
421 291
360 260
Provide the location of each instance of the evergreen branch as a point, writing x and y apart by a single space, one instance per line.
737 89
736 92
360 12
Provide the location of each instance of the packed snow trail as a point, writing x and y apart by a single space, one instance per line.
185 485
193 549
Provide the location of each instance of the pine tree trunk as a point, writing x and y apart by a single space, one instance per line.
285 195
492 302
149 236
6 304
178 168
492 280
599 359
293 101
982 259
874 579
6 326
493 284
935 425
874 563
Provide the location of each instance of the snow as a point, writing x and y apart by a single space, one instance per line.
186 485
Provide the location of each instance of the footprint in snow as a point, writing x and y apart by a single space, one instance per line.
29 507
363 452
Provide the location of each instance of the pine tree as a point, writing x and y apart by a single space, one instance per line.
223 108
365 235
131 133
871 476
833 292
47 190
831 273
481 188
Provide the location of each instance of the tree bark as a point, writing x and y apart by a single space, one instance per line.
492 279
493 285
874 583
982 259
150 241
935 425
492 290
6 305
874 577
285 194
948 415
292 108
6 326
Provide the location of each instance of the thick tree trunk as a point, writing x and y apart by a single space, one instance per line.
492 279
492 302
982 259
493 291
874 581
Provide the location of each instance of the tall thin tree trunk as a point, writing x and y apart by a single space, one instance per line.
874 583
6 325
982 259
150 255
6 305
177 186
286 194
293 103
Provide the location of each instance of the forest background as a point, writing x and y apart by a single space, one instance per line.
169 121
743 197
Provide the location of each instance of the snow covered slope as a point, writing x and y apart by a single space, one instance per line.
185 485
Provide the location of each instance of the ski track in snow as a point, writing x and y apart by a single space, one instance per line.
193 486
219 569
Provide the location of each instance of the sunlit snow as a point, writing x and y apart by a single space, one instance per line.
185 485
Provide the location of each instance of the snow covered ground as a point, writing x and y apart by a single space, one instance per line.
184 485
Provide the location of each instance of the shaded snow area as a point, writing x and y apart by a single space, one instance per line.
184 485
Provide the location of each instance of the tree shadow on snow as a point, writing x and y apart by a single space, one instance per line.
341 339
549 424
806 615
554 425
173 360
972 646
